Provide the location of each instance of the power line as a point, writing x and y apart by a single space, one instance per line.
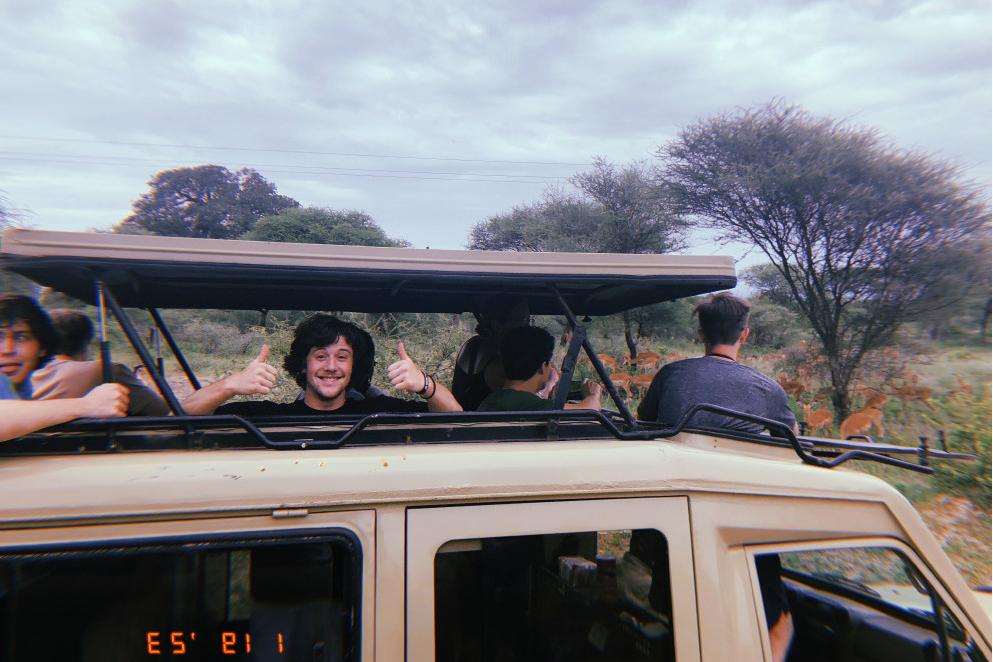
108 159
290 151
296 172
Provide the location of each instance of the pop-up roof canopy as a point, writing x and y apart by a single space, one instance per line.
176 272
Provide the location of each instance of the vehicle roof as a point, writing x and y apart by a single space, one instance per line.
178 272
109 485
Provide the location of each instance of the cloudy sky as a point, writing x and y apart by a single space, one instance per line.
434 115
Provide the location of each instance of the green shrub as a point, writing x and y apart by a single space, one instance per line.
965 418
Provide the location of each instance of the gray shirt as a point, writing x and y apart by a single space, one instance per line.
711 380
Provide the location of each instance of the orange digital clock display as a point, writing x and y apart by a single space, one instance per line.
225 642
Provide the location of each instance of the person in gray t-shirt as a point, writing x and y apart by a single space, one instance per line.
717 378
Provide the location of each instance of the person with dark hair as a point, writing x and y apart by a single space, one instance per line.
71 373
478 369
27 341
526 353
330 359
717 378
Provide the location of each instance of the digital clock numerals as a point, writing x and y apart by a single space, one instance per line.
228 643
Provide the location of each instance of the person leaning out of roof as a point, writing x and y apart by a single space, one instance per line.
717 378
27 341
332 360
527 362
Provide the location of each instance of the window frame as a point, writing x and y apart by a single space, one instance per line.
897 546
429 528
357 528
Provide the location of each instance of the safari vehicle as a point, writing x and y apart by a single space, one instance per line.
562 535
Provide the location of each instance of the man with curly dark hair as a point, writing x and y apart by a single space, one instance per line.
332 361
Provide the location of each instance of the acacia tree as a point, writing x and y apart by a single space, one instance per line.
861 232
312 225
639 220
207 201
620 211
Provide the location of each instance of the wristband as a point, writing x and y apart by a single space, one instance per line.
424 390
434 387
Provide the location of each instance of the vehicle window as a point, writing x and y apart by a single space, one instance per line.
258 600
862 603
591 596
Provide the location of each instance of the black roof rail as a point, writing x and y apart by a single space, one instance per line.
827 453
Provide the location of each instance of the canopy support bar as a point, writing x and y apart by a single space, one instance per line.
579 337
106 366
174 348
139 346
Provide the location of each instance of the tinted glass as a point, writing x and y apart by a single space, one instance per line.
591 596
257 600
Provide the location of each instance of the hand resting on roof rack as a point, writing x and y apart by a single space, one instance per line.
20 417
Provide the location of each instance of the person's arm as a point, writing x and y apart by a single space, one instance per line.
591 400
781 637
406 376
549 388
257 378
20 417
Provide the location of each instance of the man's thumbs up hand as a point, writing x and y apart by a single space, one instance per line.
257 378
404 374
263 355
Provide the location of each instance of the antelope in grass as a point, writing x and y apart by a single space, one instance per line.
816 419
642 382
650 360
876 401
791 386
622 380
962 388
861 421
608 361
908 394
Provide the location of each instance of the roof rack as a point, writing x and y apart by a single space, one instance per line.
824 453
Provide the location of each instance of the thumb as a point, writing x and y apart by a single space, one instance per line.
402 352
263 354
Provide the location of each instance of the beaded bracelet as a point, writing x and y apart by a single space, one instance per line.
424 390
434 387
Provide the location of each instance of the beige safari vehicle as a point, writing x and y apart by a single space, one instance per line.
563 535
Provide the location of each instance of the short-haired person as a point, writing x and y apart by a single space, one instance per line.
27 341
527 361
330 359
71 374
717 378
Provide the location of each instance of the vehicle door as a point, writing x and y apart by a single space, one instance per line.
290 586
603 579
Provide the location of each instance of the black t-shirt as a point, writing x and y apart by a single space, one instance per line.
375 405
469 381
